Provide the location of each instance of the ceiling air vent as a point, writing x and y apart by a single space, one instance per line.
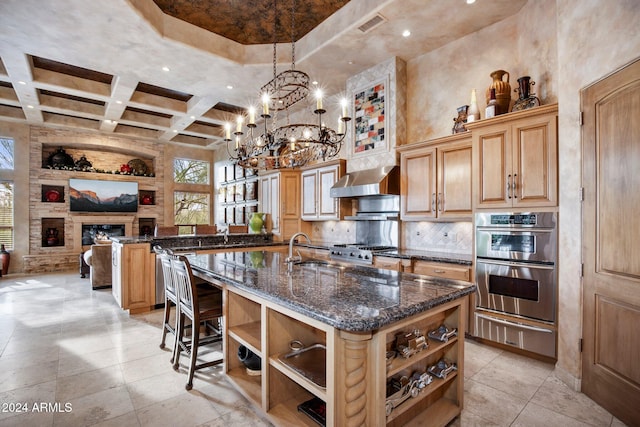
372 23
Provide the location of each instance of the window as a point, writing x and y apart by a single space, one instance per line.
190 171
6 194
6 153
191 208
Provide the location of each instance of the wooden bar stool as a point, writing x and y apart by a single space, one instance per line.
196 308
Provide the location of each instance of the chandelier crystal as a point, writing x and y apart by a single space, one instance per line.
284 145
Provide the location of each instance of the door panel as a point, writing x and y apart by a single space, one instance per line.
611 226
455 180
419 186
328 205
494 150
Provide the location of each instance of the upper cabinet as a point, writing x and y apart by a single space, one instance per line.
436 179
515 159
279 195
316 181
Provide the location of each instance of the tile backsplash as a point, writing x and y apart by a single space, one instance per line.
413 235
454 237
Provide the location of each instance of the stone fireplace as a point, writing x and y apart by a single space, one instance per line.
84 225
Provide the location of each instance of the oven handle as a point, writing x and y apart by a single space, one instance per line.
515 324
515 264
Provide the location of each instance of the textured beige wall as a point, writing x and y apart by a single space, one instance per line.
438 82
595 37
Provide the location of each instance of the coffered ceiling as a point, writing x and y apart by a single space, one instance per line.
176 70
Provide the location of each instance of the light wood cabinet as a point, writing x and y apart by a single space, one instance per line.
391 263
443 270
279 196
133 276
515 163
316 182
436 179
356 373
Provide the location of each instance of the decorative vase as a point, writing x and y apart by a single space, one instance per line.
256 222
250 360
526 99
52 236
5 257
503 91
458 122
61 160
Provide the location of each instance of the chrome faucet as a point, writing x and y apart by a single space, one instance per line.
291 259
226 235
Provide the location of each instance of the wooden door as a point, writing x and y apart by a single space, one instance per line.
611 243
328 205
418 184
493 170
535 161
454 180
310 194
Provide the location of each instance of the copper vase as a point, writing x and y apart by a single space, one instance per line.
503 91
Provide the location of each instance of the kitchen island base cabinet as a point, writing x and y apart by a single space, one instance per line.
356 372
133 276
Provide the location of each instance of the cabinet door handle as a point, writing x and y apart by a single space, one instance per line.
509 186
440 202
515 186
439 271
433 202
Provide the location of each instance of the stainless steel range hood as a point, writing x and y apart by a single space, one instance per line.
383 180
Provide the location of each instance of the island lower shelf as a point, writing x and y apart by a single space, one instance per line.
357 373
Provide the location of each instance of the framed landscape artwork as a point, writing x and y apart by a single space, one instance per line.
370 123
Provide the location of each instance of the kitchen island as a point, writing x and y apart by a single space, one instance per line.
348 319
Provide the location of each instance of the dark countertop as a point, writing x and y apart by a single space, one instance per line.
350 298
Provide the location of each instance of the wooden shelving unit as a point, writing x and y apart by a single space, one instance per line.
267 329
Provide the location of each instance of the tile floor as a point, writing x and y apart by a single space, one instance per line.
74 355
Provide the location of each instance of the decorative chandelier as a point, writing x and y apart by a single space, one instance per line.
284 145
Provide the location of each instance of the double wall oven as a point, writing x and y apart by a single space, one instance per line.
516 276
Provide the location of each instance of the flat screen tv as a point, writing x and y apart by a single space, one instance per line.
91 195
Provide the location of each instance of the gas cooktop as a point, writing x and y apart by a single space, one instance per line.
362 253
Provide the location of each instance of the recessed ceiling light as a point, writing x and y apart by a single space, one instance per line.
165 68
118 102
29 106
471 1
314 82
22 83
193 117
229 87
175 131
407 33
350 62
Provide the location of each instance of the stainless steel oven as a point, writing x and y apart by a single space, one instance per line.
516 276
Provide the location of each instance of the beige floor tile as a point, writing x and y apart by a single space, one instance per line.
556 396
536 416
130 419
12 379
88 343
155 389
72 364
477 356
24 398
138 350
184 409
87 383
242 416
146 367
28 358
222 395
95 408
491 404
30 419
514 374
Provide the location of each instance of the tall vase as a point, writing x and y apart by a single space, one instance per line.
5 257
503 91
526 99
256 222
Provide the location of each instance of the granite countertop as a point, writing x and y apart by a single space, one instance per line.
350 298
203 242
